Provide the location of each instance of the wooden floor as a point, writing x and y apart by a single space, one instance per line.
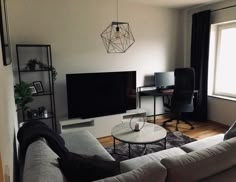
201 130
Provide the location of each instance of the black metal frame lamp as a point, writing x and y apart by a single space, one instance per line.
117 37
137 125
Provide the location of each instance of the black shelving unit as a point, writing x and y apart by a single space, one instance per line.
42 53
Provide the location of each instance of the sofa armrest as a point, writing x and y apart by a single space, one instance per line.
41 164
198 165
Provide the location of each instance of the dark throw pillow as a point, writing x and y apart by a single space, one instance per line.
78 168
231 132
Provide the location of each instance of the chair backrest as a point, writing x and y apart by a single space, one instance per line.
182 99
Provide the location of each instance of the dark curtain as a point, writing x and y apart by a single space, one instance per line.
199 60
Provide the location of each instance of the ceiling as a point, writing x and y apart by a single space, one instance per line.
176 3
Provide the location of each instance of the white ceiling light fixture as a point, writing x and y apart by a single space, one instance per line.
117 37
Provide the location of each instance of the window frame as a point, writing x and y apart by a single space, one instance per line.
218 34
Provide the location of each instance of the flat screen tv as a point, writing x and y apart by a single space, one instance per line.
99 94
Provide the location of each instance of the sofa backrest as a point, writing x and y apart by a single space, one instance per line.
151 172
228 175
201 164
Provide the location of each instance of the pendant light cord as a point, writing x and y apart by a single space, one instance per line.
117 10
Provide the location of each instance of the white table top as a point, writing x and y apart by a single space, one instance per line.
150 133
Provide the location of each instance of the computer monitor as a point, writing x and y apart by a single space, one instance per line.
164 79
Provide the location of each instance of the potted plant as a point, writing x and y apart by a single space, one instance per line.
54 72
46 67
23 95
31 65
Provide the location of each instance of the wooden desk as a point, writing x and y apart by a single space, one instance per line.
157 93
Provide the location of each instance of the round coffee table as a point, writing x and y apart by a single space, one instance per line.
150 133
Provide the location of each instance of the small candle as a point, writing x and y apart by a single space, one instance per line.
45 114
136 127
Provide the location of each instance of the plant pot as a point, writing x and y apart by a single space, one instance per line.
32 67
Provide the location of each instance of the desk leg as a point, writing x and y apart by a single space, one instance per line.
139 100
154 110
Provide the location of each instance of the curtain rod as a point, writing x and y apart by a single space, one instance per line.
223 8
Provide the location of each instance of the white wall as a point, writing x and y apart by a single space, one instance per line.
7 117
219 110
73 29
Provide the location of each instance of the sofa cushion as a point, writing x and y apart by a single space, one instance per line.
151 172
195 166
41 164
203 143
82 142
231 132
228 175
137 162
86 168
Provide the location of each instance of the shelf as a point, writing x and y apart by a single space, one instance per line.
33 45
42 94
134 113
29 71
39 118
77 124
44 72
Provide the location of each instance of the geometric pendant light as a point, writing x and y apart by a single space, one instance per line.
117 37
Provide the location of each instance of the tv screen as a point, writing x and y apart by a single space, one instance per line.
164 79
99 94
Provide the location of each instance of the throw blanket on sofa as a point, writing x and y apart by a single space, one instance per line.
33 130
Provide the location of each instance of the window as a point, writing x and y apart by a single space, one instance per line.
222 64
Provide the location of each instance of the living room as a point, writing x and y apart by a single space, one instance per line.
162 35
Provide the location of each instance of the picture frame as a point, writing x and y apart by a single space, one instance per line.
4 34
38 86
33 90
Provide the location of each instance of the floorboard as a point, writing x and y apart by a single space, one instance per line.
201 130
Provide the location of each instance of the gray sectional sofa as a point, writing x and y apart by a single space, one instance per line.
210 159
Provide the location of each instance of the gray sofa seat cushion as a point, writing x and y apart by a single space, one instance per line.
151 172
195 166
41 164
228 175
82 142
156 157
203 143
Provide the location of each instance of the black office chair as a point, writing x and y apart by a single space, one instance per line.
182 98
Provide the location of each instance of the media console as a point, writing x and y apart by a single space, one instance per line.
99 126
